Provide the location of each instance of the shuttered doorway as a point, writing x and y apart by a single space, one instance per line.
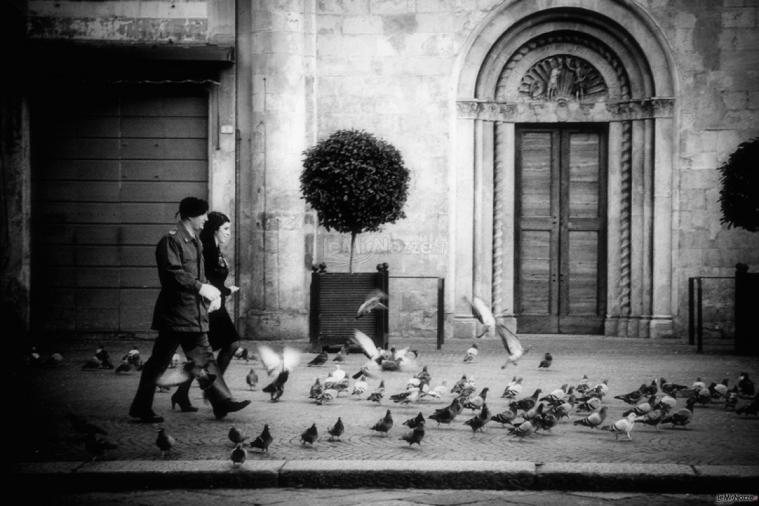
561 229
109 167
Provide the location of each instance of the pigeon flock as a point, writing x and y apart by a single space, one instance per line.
524 410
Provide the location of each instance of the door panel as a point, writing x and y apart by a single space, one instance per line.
560 235
109 167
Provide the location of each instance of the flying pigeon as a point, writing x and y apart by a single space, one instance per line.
511 343
483 314
369 348
376 299
279 364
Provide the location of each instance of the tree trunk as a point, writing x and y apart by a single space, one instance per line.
350 259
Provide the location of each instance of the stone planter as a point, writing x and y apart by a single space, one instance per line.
335 297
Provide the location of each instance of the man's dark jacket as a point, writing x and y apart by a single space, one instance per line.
180 308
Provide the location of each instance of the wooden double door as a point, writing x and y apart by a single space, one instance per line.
560 249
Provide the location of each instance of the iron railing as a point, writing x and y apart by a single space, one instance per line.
440 305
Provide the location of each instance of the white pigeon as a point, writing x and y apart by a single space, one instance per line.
336 375
375 355
360 386
483 314
513 389
602 388
437 392
471 353
622 426
511 343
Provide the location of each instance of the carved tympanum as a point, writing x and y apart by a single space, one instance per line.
563 77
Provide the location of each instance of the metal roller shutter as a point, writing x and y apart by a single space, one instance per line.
108 170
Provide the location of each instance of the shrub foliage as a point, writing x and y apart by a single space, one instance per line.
355 182
739 195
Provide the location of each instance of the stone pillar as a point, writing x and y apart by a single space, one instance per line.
482 263
461 225
273 243
504 217
661 318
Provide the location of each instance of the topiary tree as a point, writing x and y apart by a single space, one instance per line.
355 182
739 196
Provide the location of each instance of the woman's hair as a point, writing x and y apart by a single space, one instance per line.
190 207
215 220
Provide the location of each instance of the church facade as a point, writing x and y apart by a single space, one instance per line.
563 154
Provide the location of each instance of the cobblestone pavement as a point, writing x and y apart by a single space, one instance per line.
715 436
381 497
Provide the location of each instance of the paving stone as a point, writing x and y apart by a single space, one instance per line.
715 437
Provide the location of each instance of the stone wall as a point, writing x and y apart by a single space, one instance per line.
390 66
715 46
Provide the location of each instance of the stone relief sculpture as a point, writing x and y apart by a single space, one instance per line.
562 78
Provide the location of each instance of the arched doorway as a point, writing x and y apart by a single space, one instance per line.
562 170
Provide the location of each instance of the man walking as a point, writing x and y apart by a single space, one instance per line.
181 315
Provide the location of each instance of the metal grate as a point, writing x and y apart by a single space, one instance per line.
335 297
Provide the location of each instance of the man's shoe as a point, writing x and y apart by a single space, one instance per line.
148 417
228 406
